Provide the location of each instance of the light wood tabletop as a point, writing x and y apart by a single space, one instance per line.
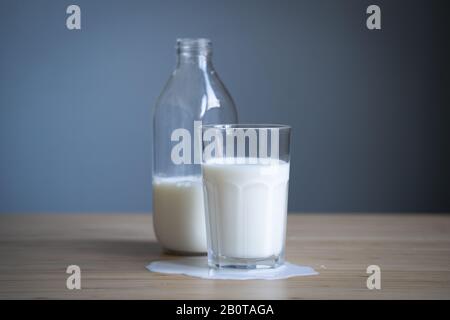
112 250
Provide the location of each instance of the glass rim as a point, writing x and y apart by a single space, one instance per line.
245 126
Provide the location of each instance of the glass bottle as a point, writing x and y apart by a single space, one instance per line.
193 95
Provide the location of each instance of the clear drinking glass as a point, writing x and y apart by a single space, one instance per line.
245 172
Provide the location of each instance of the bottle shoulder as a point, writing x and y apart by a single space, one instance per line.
196 92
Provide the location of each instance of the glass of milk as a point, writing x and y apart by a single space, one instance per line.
245 171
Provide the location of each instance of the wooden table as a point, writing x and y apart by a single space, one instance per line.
412 250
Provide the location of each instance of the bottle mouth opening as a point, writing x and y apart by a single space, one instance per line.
194 46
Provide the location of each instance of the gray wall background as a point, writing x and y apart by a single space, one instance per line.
369 109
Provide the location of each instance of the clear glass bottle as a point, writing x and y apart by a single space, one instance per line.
193 95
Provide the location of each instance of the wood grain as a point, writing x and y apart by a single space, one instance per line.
412 250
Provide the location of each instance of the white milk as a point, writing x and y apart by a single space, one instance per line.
247 207
179 214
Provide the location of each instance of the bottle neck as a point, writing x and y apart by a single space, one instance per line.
194 61
194 53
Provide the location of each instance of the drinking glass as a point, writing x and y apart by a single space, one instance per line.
245 171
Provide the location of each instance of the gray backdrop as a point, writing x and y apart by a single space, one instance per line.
369 109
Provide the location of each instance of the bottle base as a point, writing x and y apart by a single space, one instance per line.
183 253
